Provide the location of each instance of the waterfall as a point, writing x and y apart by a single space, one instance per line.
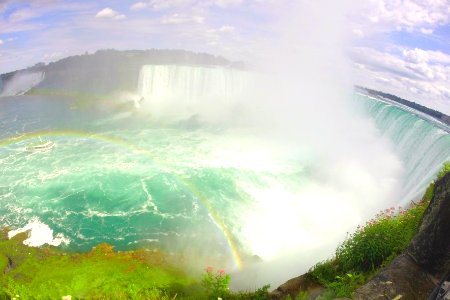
422 144
187 90
180 92
20 83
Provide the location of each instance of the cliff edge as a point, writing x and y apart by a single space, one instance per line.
416 272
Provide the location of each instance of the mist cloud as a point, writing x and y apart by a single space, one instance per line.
108 13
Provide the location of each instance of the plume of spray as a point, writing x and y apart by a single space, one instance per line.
305 101
300 102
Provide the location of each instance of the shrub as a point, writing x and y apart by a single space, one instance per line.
344 285
324 272
380 239
216 283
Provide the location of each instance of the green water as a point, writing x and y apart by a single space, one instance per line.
110 174
125 181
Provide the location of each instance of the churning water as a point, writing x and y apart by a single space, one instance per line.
223 193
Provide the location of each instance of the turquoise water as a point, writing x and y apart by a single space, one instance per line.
422 143
113 176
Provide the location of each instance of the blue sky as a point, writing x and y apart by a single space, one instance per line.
398 46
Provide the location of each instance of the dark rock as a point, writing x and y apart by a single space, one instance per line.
431 246
415 273
296 285
402 277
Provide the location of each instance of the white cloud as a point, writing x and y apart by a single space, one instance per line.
181 19
108 13
420 15
1 42
177 4
415 55
22 15
52 56
358 33
415 74
168 4
139 6
426 30
227 3
226 29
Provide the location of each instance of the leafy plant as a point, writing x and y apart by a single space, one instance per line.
380 239
302 296
324 272
344 285
216 283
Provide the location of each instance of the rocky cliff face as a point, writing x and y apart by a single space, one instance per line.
415 273
431 246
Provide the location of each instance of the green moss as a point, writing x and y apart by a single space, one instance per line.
445 169
430 189
429 192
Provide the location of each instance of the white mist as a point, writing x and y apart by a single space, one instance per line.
306 102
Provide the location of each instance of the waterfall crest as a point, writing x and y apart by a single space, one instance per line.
180 91
422 144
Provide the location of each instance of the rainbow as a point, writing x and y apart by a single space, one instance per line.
78 134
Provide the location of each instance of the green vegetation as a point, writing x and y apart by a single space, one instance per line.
371 247
216 283
444 170
300 296
46 273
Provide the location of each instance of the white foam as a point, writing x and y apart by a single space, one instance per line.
39 234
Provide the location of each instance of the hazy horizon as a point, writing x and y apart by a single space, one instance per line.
398 47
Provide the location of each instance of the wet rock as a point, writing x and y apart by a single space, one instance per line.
403 278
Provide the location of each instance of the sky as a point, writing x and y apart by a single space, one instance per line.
397 46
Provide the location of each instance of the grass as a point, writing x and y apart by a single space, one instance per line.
371 247
45 273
